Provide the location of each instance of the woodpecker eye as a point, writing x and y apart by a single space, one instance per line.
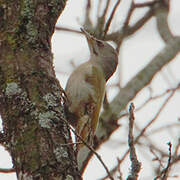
100 44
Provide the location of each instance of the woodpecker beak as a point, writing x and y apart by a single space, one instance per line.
89 37
90 40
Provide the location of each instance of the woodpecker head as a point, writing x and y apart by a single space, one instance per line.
98 47
103 53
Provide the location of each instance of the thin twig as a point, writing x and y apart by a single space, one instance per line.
151 122
106 9
161 13
67 30
164 173
101 20
88 146
111 17
157 115
119 170
135 27
169 162
150 99
127 20
125 26
162 128
135 164
10 170
146 4
156 156
88 23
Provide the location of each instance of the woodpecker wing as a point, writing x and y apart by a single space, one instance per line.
97 81
85 91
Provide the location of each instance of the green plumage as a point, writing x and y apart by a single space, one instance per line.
86 86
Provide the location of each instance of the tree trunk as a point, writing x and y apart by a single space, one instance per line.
31 99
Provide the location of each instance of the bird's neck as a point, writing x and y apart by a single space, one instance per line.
107 64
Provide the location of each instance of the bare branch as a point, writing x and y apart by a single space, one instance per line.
156 157
135 164
172 47
113 171
146 4
102 19
175 125
127 20
157 114
88 146
128 30
108 120
142 79
67 30
11 170
152 98
161 13
164 173
105 10
149 124
88 24
132 29
111 17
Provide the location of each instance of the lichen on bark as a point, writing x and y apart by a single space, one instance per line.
31 99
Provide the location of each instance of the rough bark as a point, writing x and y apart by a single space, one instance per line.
31 99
